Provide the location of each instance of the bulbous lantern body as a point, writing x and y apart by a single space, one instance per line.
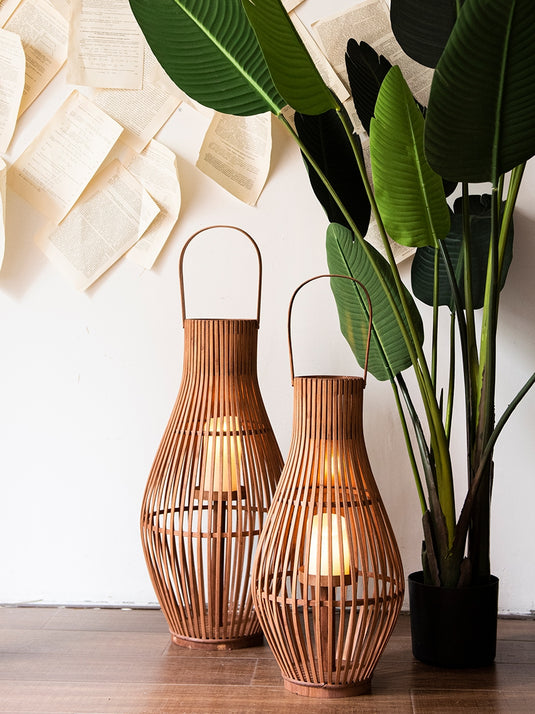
210 487
327 579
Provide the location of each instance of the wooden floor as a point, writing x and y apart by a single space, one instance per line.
99 661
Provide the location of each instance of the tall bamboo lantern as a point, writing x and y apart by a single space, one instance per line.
211 484
327 577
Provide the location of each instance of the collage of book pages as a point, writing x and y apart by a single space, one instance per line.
95 171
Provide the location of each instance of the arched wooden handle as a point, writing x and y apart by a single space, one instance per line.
317 277
181 267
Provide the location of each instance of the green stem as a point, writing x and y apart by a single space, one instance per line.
451 381
507 216
410 450
434 342
471 497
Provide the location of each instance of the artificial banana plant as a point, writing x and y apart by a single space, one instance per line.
244 57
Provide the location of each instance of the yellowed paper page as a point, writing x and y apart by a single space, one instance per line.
105 45
236 153
43 27
12 72
54 170
369 22
156 170
142 112
7 7
110 217
290 5
329 76
3 171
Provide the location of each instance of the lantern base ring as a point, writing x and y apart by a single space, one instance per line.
236 643
328 691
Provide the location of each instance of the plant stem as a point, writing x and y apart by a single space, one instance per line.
434 341
451 381
410 450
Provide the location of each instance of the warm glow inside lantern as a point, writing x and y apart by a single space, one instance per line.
223 446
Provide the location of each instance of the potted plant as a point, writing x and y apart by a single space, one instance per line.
478 127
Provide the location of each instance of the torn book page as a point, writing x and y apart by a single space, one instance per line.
141 112
7 8
43 27
370 22
156 170
105 45
57 166
236 153
12 73
112 214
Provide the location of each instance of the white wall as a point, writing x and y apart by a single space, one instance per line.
87 381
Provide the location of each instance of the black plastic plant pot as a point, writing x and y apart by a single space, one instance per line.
453 627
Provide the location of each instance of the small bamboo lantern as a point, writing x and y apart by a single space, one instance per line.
327 577
211 484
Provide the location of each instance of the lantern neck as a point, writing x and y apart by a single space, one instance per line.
328 408
220 347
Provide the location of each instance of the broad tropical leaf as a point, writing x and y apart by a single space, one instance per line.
210 51
365 72
422 271
326 140
410 195
388 352
479 122
293 71
422 28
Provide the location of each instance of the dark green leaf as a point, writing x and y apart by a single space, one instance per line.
294 73
365 72
422 28
326 140
210 51
388 352
422 275
410 195
479 123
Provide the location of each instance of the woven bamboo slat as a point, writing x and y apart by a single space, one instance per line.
327 577
210 486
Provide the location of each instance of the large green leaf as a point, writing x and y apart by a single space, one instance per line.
410 195
479 122
422 28
365 72
388 352
209 50
293 71
326 140
423 265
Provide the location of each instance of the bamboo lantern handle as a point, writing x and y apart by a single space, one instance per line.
181 268
328 275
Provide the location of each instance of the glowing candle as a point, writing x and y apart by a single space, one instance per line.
340 561
223 455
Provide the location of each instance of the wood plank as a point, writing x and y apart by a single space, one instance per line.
110 619
58 698
453 701
133 668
